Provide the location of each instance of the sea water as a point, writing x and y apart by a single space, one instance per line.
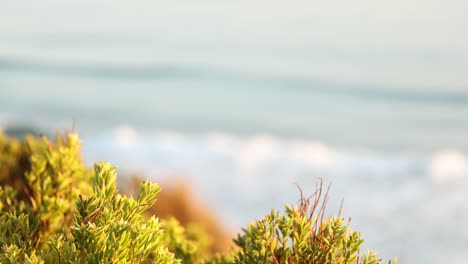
246 99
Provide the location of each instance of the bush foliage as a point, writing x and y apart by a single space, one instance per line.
178 200
53 209
301 235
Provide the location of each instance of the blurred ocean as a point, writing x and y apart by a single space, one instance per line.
245 99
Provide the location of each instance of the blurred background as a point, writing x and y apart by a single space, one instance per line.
242 99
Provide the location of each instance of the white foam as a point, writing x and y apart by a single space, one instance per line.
125 135
447 166
257 152
313 154
221 142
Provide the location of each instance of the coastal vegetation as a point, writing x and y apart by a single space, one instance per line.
55 209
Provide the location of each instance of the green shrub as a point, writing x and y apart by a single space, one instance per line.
301 234
190 244
42 180
110 228
55 210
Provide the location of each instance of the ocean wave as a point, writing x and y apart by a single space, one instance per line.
155 72
260 153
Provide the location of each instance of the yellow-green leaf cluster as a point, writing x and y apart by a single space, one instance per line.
53 209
